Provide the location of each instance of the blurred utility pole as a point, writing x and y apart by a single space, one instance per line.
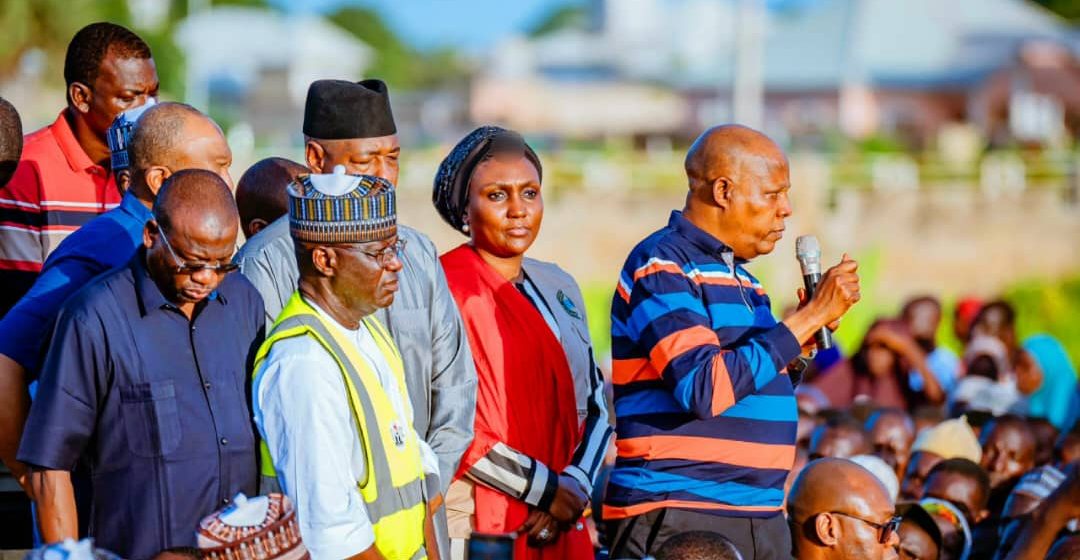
749 87
195 93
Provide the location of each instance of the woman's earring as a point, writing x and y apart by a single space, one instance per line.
465 229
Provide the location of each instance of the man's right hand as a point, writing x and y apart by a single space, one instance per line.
837 291
570 500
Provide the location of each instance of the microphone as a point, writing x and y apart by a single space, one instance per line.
808 252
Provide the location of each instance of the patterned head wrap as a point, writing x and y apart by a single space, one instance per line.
952 514
451 192
341 208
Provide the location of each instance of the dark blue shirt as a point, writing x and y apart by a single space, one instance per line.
154 405
106 242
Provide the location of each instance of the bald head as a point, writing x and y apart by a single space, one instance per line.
738 181
196 199
159 134
11 140
191 241
833 508
260 194
728 151
169 137
834 484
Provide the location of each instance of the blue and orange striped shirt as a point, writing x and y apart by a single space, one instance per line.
705 412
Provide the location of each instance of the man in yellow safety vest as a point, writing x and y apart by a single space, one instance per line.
329 393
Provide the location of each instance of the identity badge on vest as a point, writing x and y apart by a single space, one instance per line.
397 434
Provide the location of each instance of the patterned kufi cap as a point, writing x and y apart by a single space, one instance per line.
262 527
341 208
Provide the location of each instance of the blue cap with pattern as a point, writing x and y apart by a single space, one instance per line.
341 208
119 135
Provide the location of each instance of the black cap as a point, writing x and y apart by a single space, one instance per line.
340 110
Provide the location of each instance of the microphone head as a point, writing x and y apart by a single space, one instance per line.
808 251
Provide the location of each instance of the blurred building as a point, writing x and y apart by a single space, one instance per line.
902 68
253 66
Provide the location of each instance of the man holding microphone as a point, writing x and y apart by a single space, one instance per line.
706 416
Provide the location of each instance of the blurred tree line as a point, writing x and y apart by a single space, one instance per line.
1068 9
46 26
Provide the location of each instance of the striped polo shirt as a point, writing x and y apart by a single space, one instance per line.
705 412
55 189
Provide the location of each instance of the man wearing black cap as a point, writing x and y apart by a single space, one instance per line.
351 124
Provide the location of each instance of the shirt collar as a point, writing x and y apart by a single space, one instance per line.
702 239
69 145
132 206
148 294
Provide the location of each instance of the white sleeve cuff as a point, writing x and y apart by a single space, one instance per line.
538 484
575 472
428 458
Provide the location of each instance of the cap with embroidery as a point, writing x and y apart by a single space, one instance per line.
263 527
341 208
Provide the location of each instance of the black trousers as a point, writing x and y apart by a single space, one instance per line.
643 535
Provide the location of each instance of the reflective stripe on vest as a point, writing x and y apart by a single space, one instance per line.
392 488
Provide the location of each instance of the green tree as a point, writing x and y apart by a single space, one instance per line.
48 25
396 62
569 16
1068 9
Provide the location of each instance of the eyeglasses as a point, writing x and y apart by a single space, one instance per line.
183 267
885 530
385 256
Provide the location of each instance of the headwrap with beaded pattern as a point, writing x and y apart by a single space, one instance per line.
451 188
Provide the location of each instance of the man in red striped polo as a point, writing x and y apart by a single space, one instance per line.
63 180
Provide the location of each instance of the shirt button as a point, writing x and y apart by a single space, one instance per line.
206 385
224 501
224 441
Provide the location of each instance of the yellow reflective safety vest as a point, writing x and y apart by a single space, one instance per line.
394 480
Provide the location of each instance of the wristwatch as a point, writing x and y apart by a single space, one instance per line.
796 367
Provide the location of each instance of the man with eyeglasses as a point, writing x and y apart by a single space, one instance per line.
144 382
168 137
330 395
837 510
351 124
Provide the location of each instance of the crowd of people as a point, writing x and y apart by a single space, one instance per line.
336 388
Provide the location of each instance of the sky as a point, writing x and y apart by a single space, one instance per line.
472 25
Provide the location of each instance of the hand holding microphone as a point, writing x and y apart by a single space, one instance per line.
827 299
